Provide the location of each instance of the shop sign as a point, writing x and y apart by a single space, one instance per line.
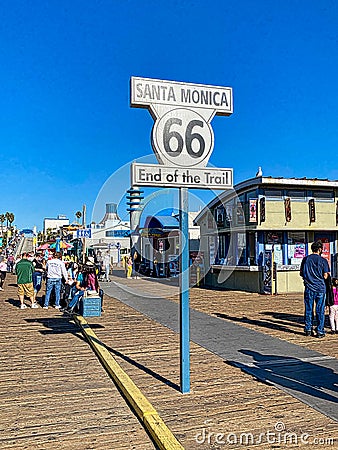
173 176
84 233
151 232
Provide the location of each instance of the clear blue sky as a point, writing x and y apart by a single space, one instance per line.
66 124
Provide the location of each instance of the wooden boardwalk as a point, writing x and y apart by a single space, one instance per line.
55 393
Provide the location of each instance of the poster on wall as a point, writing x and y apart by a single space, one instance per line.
278 254
267 272
212 250
326 251
228 215
299 251
253 210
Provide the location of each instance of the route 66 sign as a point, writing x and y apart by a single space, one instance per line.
182 135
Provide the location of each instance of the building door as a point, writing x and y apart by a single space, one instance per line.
252 248
329 249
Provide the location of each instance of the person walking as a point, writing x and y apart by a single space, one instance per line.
39 267
24 271
314 270
334 307
70 283
136 263
3 273
129 266
106 261
56 269
10 263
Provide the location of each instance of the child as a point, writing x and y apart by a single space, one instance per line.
334 307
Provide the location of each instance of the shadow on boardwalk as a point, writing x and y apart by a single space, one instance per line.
261 323
309 381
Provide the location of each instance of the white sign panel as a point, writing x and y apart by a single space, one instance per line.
182 137
173 176
84 233
146 92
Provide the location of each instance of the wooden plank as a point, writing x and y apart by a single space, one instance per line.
56 393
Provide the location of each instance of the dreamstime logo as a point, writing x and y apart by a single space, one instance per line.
278 436
158 202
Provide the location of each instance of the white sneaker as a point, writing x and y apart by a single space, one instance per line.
34 305
45 307
57 307
23 306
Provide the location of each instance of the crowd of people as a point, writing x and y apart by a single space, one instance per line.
66 281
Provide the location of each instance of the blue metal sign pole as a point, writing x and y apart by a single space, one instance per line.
184 293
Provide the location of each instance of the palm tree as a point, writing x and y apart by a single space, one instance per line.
11 218
78 214
40 237
6 216
2 219
49 234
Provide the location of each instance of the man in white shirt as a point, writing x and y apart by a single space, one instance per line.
106 262
56 269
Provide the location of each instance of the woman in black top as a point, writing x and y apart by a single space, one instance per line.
39 268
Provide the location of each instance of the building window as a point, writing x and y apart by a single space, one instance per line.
242 250
273 237
220 216
251 194
240 216
323 196
273 194
295 194
228 213
223 246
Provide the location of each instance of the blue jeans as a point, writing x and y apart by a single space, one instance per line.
37 280
56 284
311 298
75 299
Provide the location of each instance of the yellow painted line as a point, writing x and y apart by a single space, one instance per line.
145 411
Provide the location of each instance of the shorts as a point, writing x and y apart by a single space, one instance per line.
26 289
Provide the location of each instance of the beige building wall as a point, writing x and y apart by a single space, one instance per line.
275 216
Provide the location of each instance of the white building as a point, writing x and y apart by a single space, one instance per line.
111 234
55 224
